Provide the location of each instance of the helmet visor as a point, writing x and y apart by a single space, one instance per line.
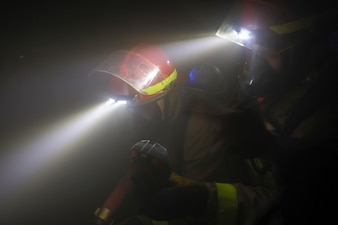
136 71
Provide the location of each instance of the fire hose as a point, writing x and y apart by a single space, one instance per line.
156 154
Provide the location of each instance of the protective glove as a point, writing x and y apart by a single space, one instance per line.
148 173
178 197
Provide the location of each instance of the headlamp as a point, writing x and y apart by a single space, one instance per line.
238 35
253 40
122 99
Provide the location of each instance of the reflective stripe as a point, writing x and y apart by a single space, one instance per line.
290 27
227 203
161 85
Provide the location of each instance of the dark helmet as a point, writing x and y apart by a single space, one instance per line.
211 80
140 75
206 78
283 39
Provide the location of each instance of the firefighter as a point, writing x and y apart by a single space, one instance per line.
211 131
185 113
290 69
287 63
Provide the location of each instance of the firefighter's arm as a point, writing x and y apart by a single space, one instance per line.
216 203
178 197
221 207
185 198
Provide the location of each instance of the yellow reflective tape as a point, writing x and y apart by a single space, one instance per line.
227 203
290 27
161 85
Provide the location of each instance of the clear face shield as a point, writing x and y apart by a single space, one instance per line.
251 39
129 77
248 24
256 73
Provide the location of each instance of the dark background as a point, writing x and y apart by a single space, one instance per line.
47 50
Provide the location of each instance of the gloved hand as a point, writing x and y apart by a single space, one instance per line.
178 197
148 173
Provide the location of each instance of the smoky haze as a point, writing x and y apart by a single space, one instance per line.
47 51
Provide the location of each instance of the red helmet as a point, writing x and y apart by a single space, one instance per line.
144 73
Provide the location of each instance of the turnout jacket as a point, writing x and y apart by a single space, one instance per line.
226 145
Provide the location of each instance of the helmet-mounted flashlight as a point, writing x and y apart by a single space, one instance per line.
236 34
